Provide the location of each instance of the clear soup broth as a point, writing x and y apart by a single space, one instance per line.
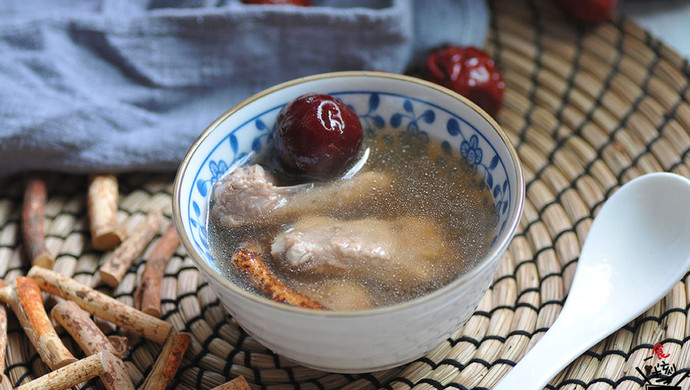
434 212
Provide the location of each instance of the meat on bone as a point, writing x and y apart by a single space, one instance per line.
249 194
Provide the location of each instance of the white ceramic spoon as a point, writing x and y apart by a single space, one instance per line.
637 249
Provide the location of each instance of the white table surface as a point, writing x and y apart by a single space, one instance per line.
668 20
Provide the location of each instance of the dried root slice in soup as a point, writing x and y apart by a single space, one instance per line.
403 250
249 262
249 195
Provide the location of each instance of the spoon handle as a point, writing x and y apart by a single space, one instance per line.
636 250
565 340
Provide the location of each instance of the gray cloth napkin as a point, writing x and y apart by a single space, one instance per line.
127 85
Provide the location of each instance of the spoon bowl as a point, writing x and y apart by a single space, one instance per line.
637 249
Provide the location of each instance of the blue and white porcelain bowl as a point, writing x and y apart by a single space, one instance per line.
367 340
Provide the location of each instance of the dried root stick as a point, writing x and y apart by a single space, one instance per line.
148 295
251 264
89 336
26 302
85 332
168 362
104 364
123 257
102 198
33 223
101 305
238 383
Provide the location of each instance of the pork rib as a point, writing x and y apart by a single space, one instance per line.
409 248
249 195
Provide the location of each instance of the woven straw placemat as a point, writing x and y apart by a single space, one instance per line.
588 108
